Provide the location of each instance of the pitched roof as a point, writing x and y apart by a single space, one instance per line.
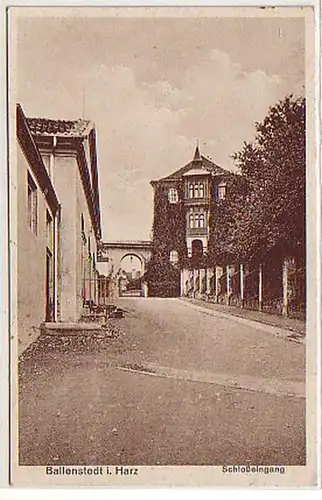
61 128
202 164
34 159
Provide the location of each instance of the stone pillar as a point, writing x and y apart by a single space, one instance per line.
286 286
227 284
210 274
241 270
195 282
260 288
218 274
145 289
184 277
201 277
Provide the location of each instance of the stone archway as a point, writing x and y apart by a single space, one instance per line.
130 275
113 253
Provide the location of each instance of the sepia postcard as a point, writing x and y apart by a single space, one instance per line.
163 194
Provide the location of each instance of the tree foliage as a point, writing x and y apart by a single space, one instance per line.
264 211
163 278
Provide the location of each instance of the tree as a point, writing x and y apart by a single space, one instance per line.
163 278
264 211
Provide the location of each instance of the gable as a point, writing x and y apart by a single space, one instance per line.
203 164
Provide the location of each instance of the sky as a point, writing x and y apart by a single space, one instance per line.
153 86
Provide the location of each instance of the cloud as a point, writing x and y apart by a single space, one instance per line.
147 130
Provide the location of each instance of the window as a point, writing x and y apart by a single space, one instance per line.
197 190
196 220
191 220
174 257
201 220
32 205
196 248
221 191
173 196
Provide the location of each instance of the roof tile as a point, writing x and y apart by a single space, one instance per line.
64 128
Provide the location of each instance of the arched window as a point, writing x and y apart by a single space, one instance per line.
201 190
201 220
191 220
196 191
174 257
173 196
197 220
191 190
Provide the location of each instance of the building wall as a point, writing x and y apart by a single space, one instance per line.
65 185
31 266
84 255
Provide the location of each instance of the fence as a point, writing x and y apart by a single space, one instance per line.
96 293
274 287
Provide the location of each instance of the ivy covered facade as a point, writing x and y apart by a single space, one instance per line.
184 203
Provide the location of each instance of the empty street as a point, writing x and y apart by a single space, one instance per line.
178 386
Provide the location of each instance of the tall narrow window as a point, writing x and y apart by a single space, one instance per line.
196 191
196 220
173 196
201 190
221 191
191 220
191 190
32 205
202 220
174 257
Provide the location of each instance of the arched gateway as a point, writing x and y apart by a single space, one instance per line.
116 253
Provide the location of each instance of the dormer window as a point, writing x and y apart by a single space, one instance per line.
173 195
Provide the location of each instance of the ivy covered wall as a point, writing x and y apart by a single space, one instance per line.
168 232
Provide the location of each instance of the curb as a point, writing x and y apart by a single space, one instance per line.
279 331
69 328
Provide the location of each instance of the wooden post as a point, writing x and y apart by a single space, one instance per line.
260 288
228 284
285 310
241 269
